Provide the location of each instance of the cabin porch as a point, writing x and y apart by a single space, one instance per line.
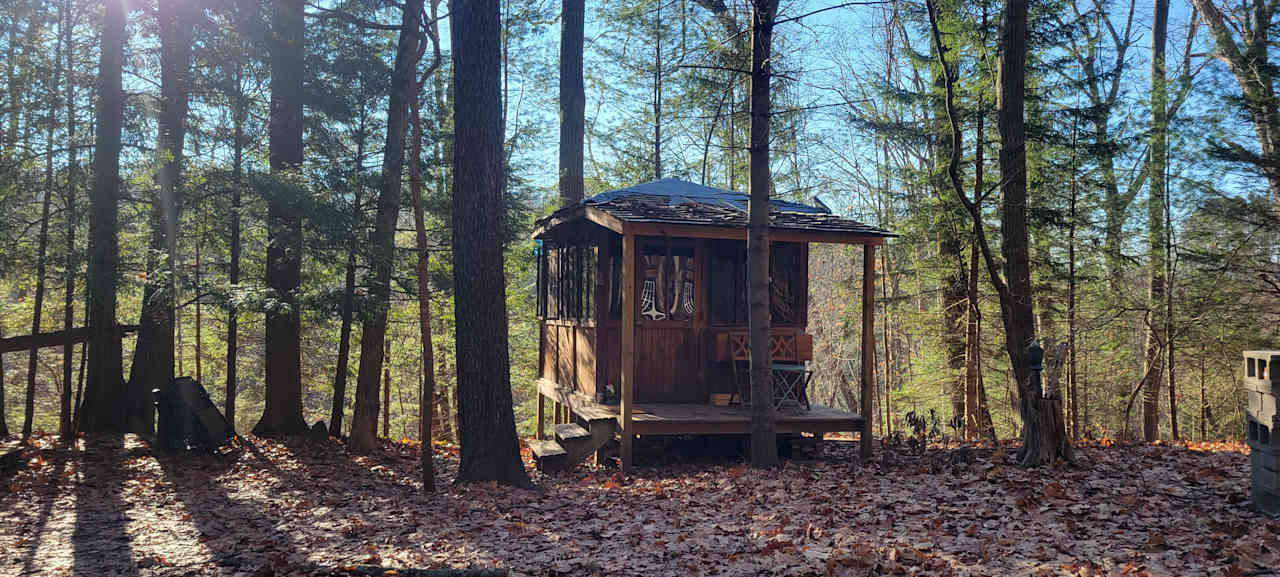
689 418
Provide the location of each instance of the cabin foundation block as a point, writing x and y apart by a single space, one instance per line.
1262 386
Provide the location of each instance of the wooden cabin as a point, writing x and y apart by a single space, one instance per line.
643 312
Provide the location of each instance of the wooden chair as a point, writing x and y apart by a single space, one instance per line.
790 375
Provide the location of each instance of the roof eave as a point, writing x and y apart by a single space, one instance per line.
569 214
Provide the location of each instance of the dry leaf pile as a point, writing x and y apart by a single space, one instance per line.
113 507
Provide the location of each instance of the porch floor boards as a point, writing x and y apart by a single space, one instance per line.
700 419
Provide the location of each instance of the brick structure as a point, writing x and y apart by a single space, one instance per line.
1262 385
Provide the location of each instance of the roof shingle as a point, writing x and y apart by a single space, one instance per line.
673 201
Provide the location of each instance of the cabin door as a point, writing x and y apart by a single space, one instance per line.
669 347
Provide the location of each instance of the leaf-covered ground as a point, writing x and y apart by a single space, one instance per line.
110 506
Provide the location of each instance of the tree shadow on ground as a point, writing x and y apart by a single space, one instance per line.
393 511
101 539
51 492
240 533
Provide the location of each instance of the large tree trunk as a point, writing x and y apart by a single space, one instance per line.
573 100
764 447
1153 378
34 354
154 355
104 391
1014 286
486 423
282 414
65 425
364 433
1018 307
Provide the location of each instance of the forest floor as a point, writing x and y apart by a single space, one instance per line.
111 506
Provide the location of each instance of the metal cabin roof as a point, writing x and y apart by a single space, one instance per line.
679 202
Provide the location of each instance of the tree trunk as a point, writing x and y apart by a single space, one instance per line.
950 252
977 415
386 393
1017 307
1014 287
573 100
1168 302
1073 413
348 284
195 289
14 94
442 103
426 400
34 355
657 92
65 425
237 186
104 391
1203 402
764 448
282 414
4 421
154 355
1154 366
486 423
374 330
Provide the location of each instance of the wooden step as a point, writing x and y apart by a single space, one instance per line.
576 440
571 432
549 455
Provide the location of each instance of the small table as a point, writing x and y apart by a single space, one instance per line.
790 385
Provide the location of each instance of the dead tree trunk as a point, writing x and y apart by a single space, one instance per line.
1054 445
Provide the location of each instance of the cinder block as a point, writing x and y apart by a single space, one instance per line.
1267 502
1262 386
1264 479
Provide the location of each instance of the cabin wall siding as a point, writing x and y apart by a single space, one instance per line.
569 355
667 368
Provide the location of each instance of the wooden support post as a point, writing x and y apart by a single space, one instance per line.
542 406
868 346
601 316
555 419
628 345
